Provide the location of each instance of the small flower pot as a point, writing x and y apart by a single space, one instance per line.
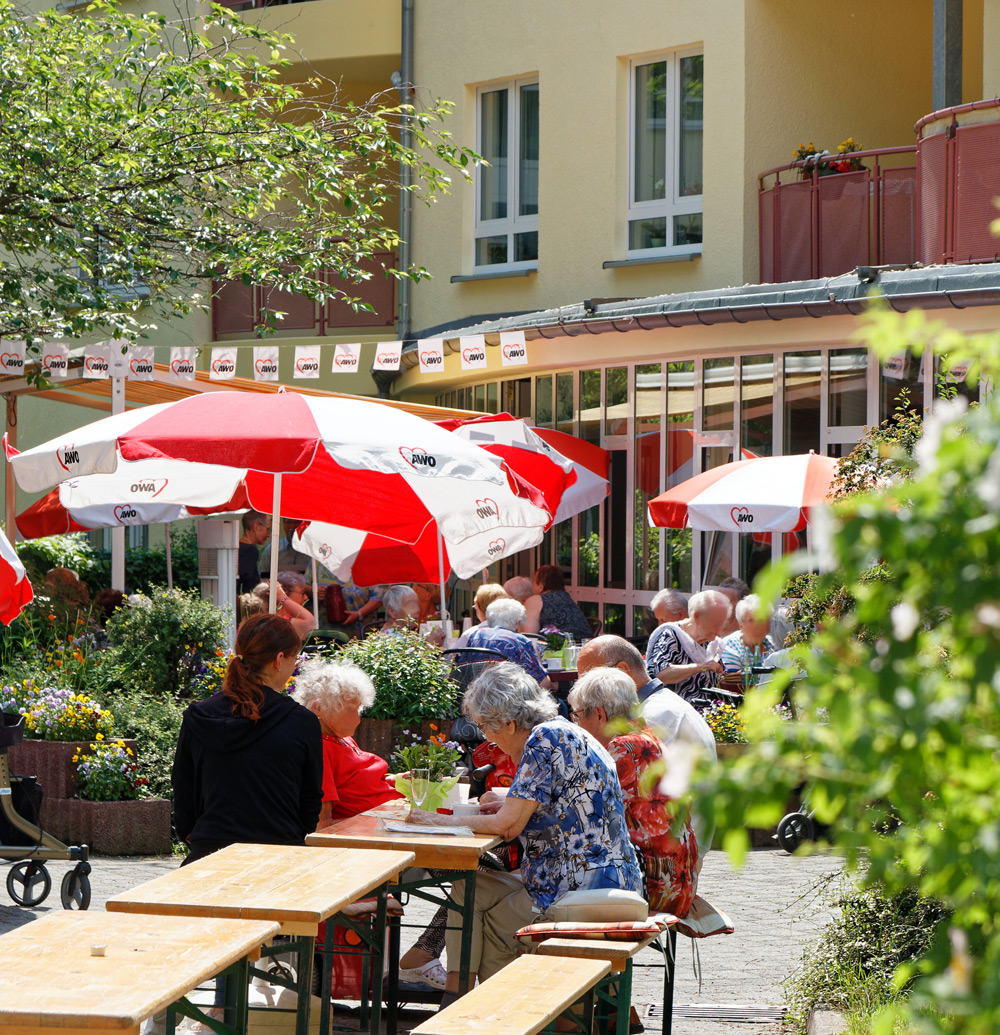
139 827
51 761
382 736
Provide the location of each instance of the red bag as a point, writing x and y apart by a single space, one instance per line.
336 609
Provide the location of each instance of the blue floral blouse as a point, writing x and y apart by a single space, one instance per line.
577 837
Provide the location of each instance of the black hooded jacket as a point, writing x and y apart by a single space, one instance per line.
236 780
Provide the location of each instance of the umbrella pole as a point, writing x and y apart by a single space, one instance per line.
118 533
275 529
315 593
444 609
170 559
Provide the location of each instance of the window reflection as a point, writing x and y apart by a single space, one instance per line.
848 402
757 405
802 402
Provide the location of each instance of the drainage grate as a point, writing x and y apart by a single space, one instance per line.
734 1014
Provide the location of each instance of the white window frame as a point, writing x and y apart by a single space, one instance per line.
673 204
513 224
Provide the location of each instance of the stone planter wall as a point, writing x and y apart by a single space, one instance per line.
382 736
110 827
51 761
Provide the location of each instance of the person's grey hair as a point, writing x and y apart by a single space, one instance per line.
394 598
506 693
673 599
328 683
748 608
519 587
736 584
616 650
505 614
607 688
251 518
291 581
707 598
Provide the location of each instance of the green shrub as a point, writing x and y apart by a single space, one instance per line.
150 639
411 678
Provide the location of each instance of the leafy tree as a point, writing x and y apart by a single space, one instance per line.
898 734
140 155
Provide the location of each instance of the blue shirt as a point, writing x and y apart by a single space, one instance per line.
577 837
511 645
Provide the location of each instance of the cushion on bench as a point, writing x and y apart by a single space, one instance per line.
621 930
704 920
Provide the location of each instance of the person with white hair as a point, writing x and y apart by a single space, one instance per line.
751 642
685 653
353 780
565 803
669 605
501 632
519 587
402 611
605 703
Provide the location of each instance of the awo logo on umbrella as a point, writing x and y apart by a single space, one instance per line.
324 550
67 456
125 513
496 547
741 517
151 487
487 509
419 459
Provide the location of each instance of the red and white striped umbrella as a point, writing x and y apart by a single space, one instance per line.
15 589
349 462
764 494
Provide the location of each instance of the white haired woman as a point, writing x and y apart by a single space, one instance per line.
565 803
684 655
353 780
751 642
605 703
402 611
501 632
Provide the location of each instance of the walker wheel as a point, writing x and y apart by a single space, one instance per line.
75 890
793 830
28 883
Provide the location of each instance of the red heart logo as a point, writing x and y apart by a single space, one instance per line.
306 365
151 487
430 358
140 366
513 350
265 366
345 359
125 512
182 366
473 355
741 516
497 547
10 359
419 459
47 361
386 359
223 366
66 455
324 550
487 508
95 363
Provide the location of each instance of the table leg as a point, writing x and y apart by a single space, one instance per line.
468 915
669 964
378 959
237 995
624 1000
326 979
392 987
303 1006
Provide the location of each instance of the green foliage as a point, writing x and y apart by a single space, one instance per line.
139 155
852 965
412 681
437 755
898 733
149 640
884 453
109 772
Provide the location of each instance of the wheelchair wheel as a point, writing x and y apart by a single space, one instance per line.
75 889
28 883
795 829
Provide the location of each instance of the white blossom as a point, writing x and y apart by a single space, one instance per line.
905 620
945 412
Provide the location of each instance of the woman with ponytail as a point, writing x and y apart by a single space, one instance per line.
249 762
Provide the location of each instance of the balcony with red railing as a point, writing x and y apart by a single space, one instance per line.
238 308
930 203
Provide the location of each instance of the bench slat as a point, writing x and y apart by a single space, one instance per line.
615 952
521 1000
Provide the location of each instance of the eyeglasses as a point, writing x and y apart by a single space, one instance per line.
575 715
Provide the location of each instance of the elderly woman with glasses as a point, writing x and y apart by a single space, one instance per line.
751 642
605 704
565 803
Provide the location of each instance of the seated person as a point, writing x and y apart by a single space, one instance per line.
519 587
605 701
402 611
552 606
500 632
353 780
291 601
429 599
566 804
682 654
485 595
751 642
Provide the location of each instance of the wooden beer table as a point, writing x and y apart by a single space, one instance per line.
55 985
299 888
459 855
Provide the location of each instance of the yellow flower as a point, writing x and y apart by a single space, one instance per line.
100 736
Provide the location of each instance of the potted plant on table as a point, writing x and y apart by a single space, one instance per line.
440 757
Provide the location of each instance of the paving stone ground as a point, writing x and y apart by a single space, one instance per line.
772 902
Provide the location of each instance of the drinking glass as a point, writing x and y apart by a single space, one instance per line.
420 785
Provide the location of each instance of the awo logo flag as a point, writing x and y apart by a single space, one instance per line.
12 358
68 456
496 548
265 362
897 366
473 351
55 359
95 361
306 361
418 458
742 518
182 362
430 353
487 509
387 355
346 359
512 349
223 365
140 363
